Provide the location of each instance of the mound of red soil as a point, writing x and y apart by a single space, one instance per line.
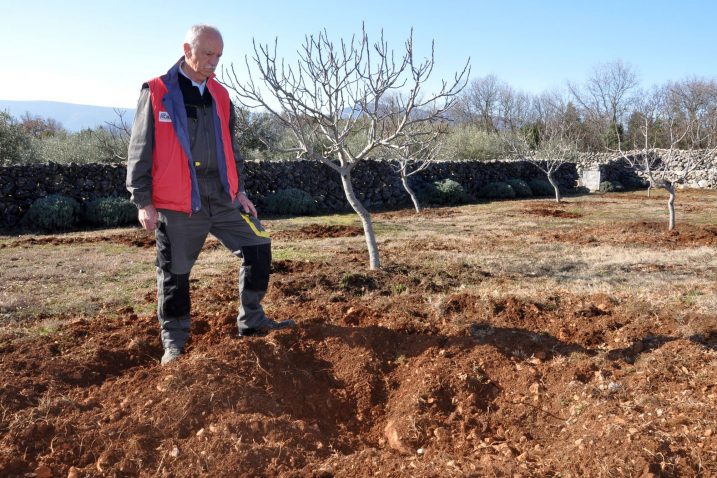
552 211
431 212
374 381
640 233
136 238
318 231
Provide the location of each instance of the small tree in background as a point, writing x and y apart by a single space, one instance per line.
555 148
661 168
17 146
414 153
39 127
113 138
335 92
549 142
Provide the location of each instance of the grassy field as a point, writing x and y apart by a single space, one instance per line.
529 248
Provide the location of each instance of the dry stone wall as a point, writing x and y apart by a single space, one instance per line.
614 168
377 183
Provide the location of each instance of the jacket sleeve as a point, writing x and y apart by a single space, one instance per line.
139 154
238 159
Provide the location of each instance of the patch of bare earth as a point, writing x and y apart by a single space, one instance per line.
641 233
552 210
134 238
439 364
318 231
373 380
429 212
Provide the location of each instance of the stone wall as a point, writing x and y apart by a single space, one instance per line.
376 182
614 168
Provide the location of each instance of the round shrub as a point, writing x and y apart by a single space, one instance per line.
290 201
541 188
521 188
611 186
109 211
633 181
581 190
497 190
52 213
448 192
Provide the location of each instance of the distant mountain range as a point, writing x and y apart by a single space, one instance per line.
73 117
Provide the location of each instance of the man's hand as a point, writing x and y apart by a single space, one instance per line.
148 217
246 203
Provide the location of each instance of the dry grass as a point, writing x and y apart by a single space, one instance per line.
503 239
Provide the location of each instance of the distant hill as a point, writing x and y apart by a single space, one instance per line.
73 117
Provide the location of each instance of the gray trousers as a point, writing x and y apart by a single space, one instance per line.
179 239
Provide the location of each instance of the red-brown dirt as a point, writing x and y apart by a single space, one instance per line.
374 381
318 231
552 210
143 239
639 233
137 238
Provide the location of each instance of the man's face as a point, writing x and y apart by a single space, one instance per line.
204 58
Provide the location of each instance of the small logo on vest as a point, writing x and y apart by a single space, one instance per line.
164 117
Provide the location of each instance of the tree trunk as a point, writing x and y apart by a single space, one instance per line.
411 192
554 183
368 232
671 205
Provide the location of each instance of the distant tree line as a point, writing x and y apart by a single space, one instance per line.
606 112
32 139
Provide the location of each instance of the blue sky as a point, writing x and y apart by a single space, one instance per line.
99 53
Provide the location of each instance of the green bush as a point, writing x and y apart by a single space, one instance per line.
109 212
497 190
469 143
16 145
447 192
521 188
52 213
541 188
633 181
611 186
290 201
581 190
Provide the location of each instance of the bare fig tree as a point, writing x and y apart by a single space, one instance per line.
334 92
665 168
551 144
113 139
414 152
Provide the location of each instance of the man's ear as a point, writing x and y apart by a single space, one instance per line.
187 50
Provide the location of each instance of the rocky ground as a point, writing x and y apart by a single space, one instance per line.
452 360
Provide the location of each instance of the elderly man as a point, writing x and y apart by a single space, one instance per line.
184 173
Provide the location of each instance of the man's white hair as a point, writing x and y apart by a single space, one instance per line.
195 31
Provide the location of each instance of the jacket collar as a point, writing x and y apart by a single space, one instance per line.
173 73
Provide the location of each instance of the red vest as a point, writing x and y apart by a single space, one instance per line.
173 174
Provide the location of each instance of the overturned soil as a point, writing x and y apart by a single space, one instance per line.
553 210
375 380
318 231
639 233
135 238
143 239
